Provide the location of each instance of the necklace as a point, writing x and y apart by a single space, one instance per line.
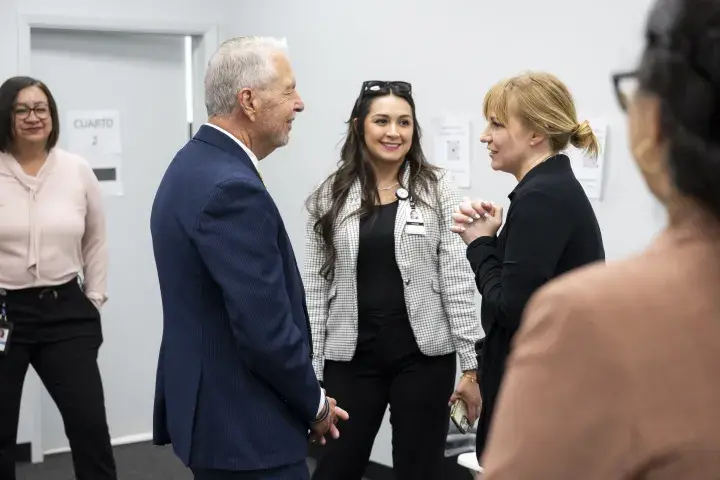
387 188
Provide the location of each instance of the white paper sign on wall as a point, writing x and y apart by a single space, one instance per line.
589 171
452 147
96 131
95 135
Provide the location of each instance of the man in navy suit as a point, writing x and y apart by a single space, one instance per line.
236 394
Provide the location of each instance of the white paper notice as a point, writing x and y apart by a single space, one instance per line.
452 149
590 171
95 135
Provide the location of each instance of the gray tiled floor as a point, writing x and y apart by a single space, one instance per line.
141 461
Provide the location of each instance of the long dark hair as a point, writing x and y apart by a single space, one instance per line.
9 91
355 165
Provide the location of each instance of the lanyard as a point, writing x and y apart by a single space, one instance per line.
3 306
403 194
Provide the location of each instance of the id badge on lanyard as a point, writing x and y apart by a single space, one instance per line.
5 326
414 224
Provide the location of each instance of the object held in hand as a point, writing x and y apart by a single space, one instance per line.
458 415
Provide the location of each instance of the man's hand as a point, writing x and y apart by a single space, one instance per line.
320 429
468 391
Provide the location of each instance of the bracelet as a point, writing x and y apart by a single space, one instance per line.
469 377
324 414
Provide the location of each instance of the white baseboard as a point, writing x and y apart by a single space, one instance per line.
128 439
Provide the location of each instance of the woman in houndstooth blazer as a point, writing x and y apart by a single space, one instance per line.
390 294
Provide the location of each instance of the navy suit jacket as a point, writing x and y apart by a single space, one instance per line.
235 388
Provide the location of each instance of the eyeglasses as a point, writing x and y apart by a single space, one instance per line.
626 85
42 111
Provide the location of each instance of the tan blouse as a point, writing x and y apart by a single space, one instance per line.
52 226
615 373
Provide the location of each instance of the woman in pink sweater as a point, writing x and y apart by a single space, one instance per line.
53 269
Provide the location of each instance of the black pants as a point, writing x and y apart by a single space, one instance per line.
57 331
390 369
491 369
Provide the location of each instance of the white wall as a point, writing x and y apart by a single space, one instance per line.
8 39
145 12
452 52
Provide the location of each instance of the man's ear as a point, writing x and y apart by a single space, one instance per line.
247 101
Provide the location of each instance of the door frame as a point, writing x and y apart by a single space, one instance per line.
26 22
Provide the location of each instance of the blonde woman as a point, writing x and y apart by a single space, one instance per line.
550 227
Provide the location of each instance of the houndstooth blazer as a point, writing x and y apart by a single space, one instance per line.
439 283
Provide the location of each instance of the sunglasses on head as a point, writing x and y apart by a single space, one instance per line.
381 85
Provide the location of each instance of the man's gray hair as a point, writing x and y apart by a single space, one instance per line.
241 62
